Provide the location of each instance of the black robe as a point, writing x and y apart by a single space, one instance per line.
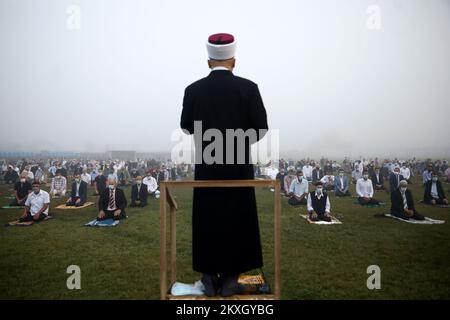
225 231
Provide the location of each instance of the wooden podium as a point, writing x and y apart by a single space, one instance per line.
166 197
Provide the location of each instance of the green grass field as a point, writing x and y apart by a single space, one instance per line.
318 262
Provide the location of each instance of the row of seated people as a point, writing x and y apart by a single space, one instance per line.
112 201
299 187
78 196
402 204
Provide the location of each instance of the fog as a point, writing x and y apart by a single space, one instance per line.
338 78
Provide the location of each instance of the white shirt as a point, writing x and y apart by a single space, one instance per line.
77 187
364 188
307 171
406 173
299 188
86 177
310 208
151 184
37 201
434 192
219 68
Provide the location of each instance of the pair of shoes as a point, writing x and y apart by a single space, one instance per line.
211 283
229 285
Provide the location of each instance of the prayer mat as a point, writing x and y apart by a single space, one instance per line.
104 223
17 223
64 207
426 221
333 220
369 205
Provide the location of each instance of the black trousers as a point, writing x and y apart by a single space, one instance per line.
72 202
363 202
141 204
320 217
109 214
293 201
403 216
438 201
29 217
339 193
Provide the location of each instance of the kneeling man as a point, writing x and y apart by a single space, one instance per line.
112 202
78 195
318 204
402 204
139 194
36 205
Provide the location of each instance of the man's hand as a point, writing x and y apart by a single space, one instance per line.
78 201
313 215
117 212
36 216
409 213
101 214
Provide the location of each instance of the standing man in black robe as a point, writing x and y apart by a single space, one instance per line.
225 230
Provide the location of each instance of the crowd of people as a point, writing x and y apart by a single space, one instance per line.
74 178
106 177
367 176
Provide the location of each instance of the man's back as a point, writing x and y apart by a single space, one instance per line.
224 101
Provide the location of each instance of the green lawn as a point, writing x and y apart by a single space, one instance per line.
318 262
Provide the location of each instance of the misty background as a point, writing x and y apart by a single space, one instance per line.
337 78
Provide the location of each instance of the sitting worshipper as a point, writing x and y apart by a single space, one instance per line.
364 190
377 180
402 204
317 174
112 202
163 174
39 174
394 179
307 171
434 193
11 176
426 175
356 174
447 175
29 174
151 184
86 177
100 183
62 170
318 204
36 205
139 193
78 196
59 185
405 173
298 190
328 181
280 176
21 190
124 176
341 185
289 178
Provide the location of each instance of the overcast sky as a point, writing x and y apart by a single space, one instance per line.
337 77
